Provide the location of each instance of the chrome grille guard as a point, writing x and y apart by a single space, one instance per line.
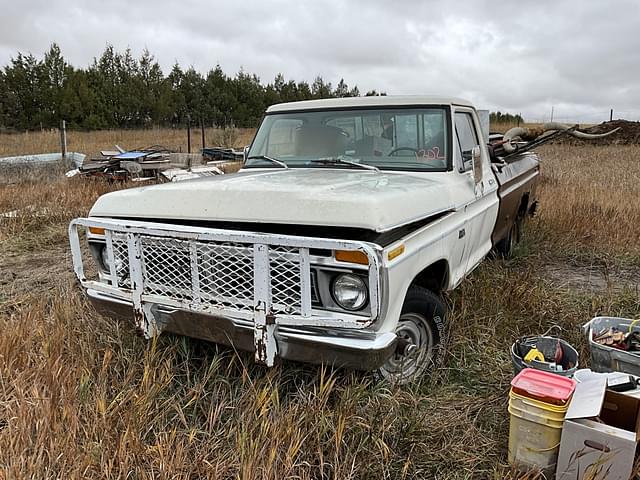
262 277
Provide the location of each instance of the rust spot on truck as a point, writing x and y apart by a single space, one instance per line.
270 319
261 347
140 321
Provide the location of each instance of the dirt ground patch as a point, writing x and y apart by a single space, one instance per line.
594 278
35 271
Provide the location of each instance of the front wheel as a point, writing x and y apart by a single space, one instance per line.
420 330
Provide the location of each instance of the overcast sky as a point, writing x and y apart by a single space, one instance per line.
582 57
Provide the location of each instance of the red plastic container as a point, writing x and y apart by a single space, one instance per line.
544 386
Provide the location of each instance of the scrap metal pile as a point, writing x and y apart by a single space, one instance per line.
615 337
522 139
156 164
121 165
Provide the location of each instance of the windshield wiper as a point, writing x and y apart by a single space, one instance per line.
342 161
275 161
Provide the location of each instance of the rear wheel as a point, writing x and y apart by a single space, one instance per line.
420 330
506 246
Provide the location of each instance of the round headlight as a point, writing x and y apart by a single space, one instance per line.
105 261
349 291
104 258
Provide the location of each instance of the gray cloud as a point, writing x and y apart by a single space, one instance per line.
580 57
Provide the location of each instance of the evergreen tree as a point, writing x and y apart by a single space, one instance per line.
342 90
24 92
177 103
55 71
320 89
192 90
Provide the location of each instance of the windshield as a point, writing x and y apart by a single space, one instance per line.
391 139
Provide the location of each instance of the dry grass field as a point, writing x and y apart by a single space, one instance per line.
92 142
82 397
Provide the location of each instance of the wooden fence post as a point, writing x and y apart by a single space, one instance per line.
63 139
202 129
188 133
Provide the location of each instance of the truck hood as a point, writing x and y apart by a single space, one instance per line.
377 201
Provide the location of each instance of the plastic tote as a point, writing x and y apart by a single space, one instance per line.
609 359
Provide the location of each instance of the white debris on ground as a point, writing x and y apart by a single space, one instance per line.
42 158
28 211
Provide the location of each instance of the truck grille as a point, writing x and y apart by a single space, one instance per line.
217 274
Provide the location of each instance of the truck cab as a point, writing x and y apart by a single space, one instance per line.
334 243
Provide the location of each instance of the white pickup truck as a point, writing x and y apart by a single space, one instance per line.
333 244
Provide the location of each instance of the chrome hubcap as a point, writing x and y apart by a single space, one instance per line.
409 363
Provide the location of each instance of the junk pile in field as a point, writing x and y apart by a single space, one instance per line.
567 423
156 164
628 134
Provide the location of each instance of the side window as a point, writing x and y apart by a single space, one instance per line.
467 138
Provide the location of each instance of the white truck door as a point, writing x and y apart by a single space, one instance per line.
482 210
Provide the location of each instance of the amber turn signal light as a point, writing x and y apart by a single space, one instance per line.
96 230
396 252
351 256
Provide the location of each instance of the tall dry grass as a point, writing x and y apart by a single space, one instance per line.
589 197
82 397
91 143
38 202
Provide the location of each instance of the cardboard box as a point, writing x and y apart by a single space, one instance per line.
599 435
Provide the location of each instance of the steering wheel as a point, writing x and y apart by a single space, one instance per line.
400 149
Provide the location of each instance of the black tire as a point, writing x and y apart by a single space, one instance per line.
422 321
506 246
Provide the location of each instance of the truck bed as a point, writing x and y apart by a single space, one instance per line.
517 180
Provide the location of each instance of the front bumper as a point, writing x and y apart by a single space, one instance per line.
340 347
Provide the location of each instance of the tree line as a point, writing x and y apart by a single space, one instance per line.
505 118
118 90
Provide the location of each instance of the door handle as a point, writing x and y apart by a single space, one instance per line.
461 233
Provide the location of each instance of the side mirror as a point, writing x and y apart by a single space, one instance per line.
245 153
476 156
